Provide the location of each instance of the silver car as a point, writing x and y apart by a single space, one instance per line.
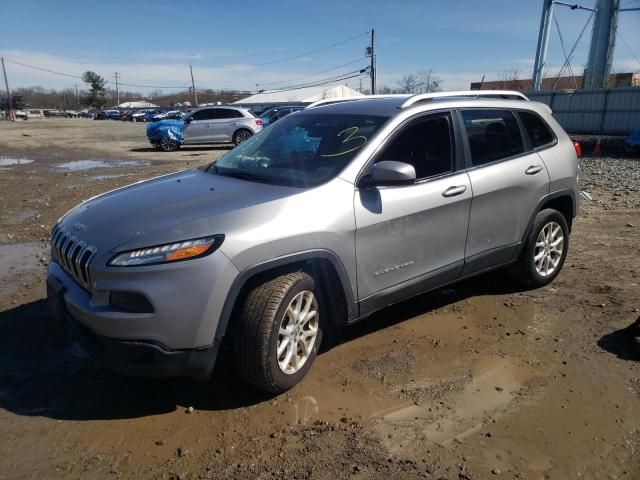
313 224
205 125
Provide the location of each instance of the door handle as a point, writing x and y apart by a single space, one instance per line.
533 169
453 191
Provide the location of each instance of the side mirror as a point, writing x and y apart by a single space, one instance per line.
188 120
389 173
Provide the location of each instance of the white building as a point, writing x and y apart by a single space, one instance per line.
309 94
140 104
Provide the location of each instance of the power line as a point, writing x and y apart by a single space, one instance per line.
342 42
336 78
313 74
80 77
316 85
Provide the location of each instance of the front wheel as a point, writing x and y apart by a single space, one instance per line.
544 251
278 332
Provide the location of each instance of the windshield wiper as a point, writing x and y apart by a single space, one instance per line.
245 176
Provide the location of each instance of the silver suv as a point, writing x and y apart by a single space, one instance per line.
314 223
205 125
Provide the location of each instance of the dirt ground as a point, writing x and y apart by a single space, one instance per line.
479 380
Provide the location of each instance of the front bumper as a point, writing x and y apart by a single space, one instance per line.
175 338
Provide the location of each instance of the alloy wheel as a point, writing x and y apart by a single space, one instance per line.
549 248
297 332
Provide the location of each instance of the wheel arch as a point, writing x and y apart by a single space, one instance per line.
564 201
323 265
240 129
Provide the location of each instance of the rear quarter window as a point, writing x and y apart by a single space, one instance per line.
537 129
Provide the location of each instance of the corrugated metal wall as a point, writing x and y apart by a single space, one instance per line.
613 111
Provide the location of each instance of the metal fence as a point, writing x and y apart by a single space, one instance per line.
612 111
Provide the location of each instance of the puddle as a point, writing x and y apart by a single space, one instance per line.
21 217
5 162
108 177
485 396
19 258
81 165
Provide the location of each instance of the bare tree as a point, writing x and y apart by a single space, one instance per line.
510 78
409 84
423 81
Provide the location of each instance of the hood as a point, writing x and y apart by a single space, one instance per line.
170 208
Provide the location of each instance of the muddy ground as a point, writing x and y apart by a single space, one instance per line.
479 380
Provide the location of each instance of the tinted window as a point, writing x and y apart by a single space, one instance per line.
427 145
206 114
222 113
300 150
538 131
493 135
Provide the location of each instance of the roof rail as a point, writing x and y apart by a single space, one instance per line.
347 99
504 94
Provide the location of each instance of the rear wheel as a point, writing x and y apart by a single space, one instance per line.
169 145
241 135
544 251
278 332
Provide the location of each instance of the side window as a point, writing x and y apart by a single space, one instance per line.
427 145
537 129
206 114
493 135
225 113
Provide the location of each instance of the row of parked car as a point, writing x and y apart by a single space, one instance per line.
214 124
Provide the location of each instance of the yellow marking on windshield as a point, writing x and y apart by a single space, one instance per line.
349 138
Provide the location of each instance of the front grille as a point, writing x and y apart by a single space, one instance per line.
73 255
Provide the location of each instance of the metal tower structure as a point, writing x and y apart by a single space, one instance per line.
603 38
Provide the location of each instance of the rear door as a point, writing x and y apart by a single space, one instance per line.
226 124
410 238
198 129
508 181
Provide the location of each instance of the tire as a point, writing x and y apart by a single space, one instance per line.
169 145
241 135
544 251
267 311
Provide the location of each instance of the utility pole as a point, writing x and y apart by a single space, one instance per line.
116 74
373 63
11 116
193 86
77 97
602 44
543 41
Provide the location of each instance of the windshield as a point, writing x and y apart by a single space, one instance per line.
300 150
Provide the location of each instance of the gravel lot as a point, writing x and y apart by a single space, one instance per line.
479 380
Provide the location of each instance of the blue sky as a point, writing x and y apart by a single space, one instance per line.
152 42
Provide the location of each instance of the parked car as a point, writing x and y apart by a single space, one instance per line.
275 113
205 125
309 226
71 114
137 116
170 115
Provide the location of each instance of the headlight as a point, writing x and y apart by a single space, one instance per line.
171 252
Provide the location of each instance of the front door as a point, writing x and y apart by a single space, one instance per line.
199 128
411 238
